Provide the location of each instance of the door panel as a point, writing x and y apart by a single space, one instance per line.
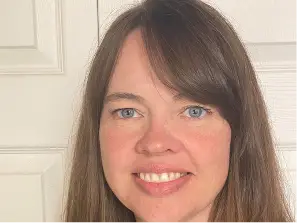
45 51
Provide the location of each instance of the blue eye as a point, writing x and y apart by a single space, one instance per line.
126 113
195 112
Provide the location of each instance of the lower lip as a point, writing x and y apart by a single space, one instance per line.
163 188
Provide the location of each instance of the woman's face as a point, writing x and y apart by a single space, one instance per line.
165 157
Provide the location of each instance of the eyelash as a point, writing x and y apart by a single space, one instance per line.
207 110
114 112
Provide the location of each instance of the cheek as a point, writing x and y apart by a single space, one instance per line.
117 139
208 147
209 144
116 142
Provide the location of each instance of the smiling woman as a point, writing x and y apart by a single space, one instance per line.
173 125
175 148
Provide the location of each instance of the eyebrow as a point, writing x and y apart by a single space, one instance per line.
117 96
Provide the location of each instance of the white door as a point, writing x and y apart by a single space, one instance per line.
45 50
268 28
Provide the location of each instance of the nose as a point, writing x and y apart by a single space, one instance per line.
158 141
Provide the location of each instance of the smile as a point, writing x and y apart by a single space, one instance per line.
158 178
160 185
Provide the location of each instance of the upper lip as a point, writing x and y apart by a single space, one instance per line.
159 168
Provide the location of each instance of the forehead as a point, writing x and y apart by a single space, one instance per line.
132 61
134 75
133 72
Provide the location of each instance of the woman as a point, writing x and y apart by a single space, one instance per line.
173 125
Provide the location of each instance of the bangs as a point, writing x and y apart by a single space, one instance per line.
185 53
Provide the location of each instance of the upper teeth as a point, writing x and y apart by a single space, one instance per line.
164 177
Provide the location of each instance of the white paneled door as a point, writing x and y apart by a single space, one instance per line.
45 50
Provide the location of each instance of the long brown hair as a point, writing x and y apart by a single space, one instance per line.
193 49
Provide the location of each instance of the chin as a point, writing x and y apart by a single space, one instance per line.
169 213
159 215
